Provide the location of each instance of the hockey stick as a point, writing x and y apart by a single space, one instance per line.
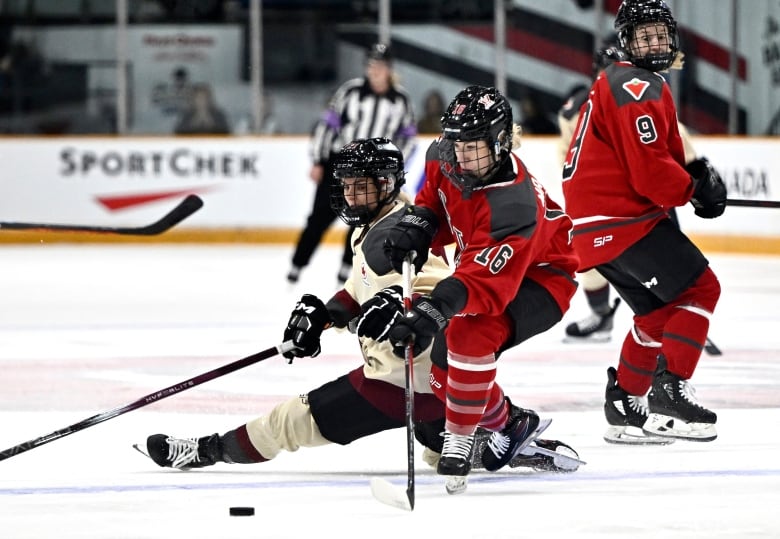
184 209
383 490
148 399
711 348
753 203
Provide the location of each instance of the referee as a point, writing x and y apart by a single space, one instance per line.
370 106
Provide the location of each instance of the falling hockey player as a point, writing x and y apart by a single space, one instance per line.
370 398
514 274
625 169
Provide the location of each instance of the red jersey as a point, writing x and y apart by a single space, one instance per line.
506 231
625 166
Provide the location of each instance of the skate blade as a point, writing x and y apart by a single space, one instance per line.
567 463
137 447
634 436
540 428
456 484
670 427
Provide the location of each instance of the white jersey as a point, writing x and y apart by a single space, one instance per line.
371 272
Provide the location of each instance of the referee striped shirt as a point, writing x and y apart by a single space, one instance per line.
355 111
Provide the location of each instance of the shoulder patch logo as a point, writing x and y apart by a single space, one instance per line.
636 88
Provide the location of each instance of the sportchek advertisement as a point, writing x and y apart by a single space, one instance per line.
263 182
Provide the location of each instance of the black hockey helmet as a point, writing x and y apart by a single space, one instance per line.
379 52
476 113
633 13
377 159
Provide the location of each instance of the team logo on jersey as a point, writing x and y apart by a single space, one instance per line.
636 88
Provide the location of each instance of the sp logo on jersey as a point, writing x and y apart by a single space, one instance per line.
636 88
601 241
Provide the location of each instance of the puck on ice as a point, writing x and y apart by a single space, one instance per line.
242 511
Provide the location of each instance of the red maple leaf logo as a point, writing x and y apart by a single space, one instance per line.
636 88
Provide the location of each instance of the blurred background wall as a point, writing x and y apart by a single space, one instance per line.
59 59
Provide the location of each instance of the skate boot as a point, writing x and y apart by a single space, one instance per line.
674 411
183 453
522 428
627 415
455 461
595 328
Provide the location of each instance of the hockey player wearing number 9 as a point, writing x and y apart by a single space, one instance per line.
625 170
369 174
513 277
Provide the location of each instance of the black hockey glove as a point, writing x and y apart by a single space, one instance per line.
380 313
307 322
413 232
709 192
427 317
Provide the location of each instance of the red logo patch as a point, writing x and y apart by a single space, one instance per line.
636 88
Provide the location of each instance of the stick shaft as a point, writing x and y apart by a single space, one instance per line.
409 385
143 401
753 203
184 209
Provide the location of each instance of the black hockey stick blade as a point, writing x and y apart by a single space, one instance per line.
711 348
148 399
184 209
753 203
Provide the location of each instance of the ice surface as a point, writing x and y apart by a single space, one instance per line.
86 329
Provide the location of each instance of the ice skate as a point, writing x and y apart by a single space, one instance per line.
594 328
455 461
183 453
522 428
548 456
627 415
674 412
541 455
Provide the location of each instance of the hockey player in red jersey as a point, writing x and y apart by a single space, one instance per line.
370 398
625 170
513 277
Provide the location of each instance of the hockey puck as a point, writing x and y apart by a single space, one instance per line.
242 511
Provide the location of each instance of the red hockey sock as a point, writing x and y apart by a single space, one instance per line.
637 362
497 410
469 386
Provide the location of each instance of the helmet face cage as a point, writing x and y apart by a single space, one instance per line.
477 113
373 172
634 13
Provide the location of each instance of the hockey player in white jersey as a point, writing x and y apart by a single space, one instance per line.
370 398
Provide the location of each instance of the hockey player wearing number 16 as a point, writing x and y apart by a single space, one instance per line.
625 170
370 398
514 274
